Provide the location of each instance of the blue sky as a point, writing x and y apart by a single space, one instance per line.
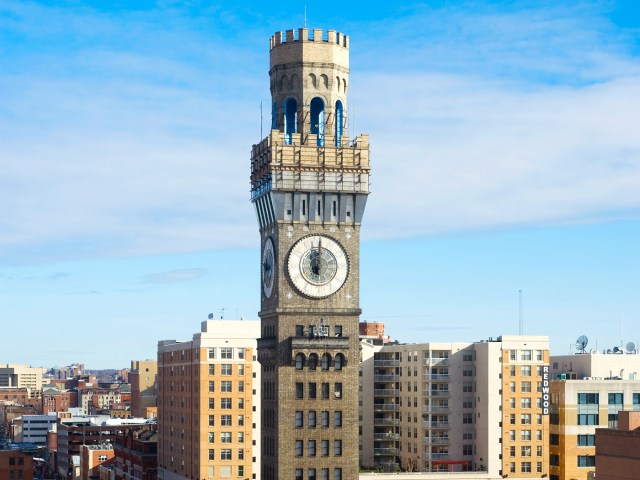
505 149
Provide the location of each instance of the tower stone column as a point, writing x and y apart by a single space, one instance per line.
309 186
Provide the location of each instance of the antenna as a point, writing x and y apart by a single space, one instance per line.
581 343
521 322
305 15
221 313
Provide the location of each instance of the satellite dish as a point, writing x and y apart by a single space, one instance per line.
581 343
210 316
631 347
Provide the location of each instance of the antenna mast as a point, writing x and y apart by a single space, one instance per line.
521 319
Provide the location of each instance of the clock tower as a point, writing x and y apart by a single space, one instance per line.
309 186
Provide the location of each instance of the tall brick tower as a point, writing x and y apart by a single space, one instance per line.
309 186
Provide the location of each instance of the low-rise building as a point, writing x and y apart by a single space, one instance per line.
618 449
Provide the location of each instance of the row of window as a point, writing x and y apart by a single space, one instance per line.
226 454
226 353
525 435
525 386
525 419
324 474
525 451
312 418
324 448
226 369
616 398
525 370
226 403
226 386
526 355
324 390
326 361
525 402
226 420
226 437
525 467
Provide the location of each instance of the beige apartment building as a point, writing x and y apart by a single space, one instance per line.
452 407
144 387
21 376
587 392
208 415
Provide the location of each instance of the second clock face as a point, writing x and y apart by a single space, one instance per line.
268 267
317 266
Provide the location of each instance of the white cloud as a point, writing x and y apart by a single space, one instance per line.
139 144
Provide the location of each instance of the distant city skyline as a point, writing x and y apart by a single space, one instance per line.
125 135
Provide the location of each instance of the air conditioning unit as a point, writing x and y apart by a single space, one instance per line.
324 331
337 394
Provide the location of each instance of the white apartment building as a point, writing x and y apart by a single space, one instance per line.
34 428
447 407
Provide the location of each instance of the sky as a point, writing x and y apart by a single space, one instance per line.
505 151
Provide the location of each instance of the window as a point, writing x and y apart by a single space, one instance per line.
212 386
324 474
325 361
538 419
539 451
324 448
512 467
325 418
525 370
467 357
512 419
311 448
525 387
513 355
212 403
298 448
312 474
299 331
299 361
512 435
312 390
212 437
212 369
241 353
325 390
225 386
241 370
588 419
339 361
512 387
313 361
212 354
240 437
241 403
525 451
616 399
338 330
225 437
337 448
241 420
212 454
526 355
539 467
225 403
240 471
554 439
240 454
225 420
226 353
539 435
225 454
586 440
467 403
467 449
588 398
512 451
586 460
299 419
312 419
525 435
525 402
512 372
512 402
241 386
337 474
299 390
337 389
467 418
212 420
525 467
467 387
298 474
337 418
525 419
225 369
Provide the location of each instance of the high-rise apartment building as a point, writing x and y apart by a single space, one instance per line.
21 376
144 387
587 391
207 415
309 186
458 407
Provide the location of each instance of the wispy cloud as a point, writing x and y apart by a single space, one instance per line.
174 276
139 144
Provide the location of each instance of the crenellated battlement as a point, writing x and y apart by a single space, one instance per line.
305 35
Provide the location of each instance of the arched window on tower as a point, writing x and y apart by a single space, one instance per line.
339 122
313 361
274 116
290 119
325 361
299 361
317 119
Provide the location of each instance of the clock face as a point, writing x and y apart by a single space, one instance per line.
318 266
268 266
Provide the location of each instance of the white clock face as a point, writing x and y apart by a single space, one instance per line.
318 266
268 267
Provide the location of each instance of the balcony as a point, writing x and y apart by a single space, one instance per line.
440 409
386 363
386 407
386 436
440 376
440 393
440 456
440 424
386 392
386 421
386 378
440 440
385 451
